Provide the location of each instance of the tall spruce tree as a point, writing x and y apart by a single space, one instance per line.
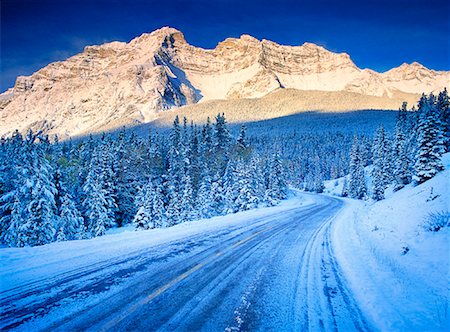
246 197
143 217
357 183
401 151
380 165
70 223
276 188
430 141
97 202
443 107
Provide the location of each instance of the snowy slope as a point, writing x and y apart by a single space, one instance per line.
118 83
398 271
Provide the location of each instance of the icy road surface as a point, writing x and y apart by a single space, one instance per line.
271 269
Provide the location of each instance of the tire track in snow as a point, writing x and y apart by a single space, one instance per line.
212 281
81 283
329 305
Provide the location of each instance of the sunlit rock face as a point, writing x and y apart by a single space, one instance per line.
117 83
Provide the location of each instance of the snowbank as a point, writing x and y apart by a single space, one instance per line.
398 271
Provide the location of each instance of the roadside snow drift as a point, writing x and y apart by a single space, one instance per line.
398 270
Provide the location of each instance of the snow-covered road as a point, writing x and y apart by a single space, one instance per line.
273 270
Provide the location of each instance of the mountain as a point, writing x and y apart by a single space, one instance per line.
119 83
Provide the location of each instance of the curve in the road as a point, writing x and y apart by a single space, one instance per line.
277 273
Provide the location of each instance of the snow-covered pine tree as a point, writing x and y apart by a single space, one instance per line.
18 169
443 106
247 197
71 223
276 186
380 162
216 197
318 181
357 183
40 211
195 160
13 236
173 208
230 189
107 176
143 217
242 146
344 192
7 173
175 172
187 212
430 141
222 140
96 203
402 160
206 145
123 182
159 210
204 203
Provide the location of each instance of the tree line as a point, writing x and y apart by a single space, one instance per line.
56 191
413 153
53 191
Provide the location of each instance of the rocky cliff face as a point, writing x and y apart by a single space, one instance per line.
114 84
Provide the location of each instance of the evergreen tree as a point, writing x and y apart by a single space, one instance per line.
380 165
242 145
107 177
159 211
123 182
344 192
71 223
230 189
19 168
204 203
357 183
222 140
13 236
38 198
143 217
40 214
276 188
96 201
430 141
176 164
216 196
401 155
187 202
206 144
443 107
246 198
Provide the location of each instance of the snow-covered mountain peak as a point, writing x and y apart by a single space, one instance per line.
413 77
119 83
165 36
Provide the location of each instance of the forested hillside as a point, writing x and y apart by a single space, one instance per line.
63 191
56 191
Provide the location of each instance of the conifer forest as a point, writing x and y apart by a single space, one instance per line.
56 191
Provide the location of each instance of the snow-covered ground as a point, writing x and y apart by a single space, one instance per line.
398 271
373 266
22 265
266 269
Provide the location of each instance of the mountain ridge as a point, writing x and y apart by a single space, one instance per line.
134 82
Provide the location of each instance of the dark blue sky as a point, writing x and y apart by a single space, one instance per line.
378 34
